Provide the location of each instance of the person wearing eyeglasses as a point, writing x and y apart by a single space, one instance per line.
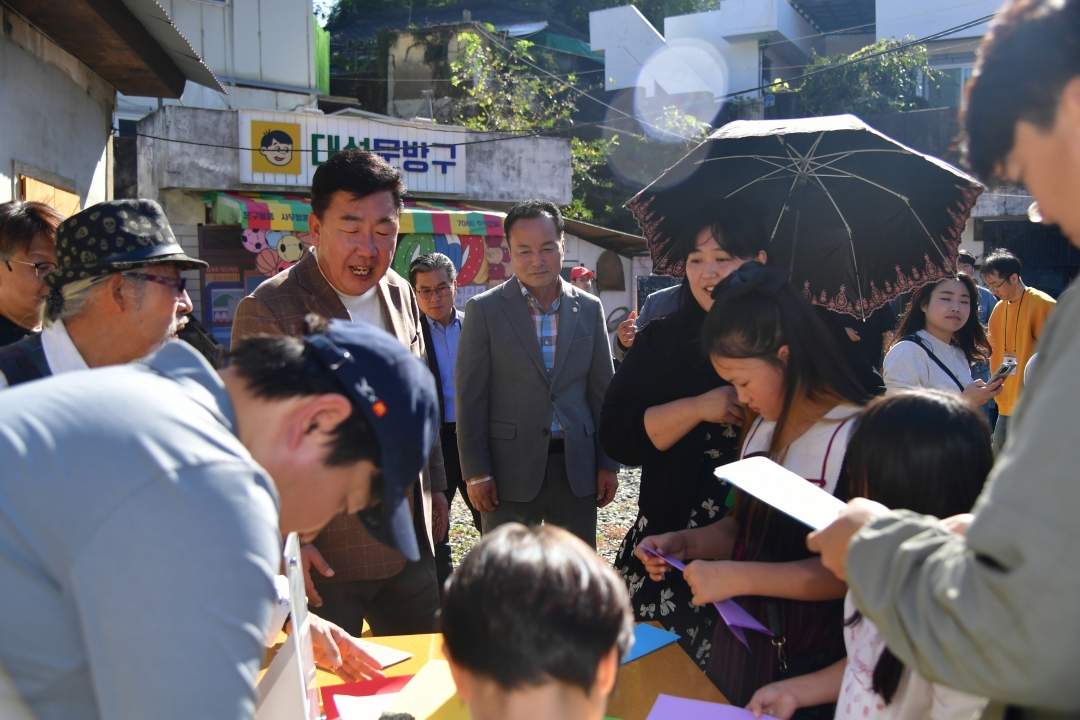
116 294
27 255
433 277
1015 327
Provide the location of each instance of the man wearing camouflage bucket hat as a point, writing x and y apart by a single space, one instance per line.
117 294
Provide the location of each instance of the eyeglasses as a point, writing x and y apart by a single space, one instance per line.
177 284
441 291
40 268
994 286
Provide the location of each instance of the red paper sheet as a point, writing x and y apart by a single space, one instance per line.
378 686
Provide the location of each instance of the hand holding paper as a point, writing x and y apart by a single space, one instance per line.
734 616
783 489
832 542
656 552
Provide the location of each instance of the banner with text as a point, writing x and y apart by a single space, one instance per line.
287 149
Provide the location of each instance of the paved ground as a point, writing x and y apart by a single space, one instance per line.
611 526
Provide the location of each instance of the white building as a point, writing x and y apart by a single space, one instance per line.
266 54
952 56
58 91
736 49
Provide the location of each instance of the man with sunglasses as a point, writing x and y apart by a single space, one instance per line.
27 255
434 278
116 295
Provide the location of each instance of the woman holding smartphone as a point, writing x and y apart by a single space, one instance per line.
938 339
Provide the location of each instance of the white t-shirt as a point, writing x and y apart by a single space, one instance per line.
364 307
817 454
908 366
916 697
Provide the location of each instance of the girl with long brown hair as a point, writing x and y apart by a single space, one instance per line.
938 339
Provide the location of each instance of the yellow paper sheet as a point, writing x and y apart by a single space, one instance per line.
431 695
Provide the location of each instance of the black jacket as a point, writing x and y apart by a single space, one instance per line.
432 361
666 363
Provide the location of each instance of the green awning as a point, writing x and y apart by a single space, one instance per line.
562 43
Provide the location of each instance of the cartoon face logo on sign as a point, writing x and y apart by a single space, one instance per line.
279 149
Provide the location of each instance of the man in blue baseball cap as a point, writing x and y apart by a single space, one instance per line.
144 509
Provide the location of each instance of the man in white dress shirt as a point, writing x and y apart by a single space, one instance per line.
117 294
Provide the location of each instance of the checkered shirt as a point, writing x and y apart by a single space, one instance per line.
547 333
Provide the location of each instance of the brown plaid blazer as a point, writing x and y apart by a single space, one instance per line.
277 307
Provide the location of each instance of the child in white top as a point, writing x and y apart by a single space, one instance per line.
943 478
937 340
764 338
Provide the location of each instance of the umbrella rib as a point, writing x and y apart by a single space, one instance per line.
783 209
850 175
768 176
851 243
866 150
745 157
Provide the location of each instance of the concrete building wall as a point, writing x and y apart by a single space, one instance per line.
627 40
55 115
408 73
919 18
518 169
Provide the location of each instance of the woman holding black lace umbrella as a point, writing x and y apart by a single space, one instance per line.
667 410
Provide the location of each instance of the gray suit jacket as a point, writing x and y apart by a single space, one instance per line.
505 400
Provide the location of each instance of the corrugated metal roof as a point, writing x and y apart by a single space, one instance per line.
161 27
132 44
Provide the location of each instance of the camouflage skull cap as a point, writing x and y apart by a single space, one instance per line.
115 236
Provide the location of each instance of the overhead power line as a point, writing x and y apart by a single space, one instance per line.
638 117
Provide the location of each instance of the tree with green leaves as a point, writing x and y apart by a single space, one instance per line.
572 12
501 90
889 83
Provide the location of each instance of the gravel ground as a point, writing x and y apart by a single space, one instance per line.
612 522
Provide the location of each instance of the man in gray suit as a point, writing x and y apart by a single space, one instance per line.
532 367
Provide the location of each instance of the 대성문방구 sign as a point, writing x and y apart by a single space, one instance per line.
287 148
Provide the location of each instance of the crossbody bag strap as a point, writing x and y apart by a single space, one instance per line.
919 341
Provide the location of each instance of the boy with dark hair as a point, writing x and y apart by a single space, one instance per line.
987 603
1015 326
535 626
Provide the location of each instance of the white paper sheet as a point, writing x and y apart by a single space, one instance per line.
386 655
366 707
783 489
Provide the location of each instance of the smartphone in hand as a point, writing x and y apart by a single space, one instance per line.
1004 370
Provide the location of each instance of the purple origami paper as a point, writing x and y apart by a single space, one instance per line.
733 614
669 707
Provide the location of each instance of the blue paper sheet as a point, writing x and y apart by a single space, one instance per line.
647 639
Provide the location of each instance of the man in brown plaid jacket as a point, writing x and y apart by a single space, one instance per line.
356 203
